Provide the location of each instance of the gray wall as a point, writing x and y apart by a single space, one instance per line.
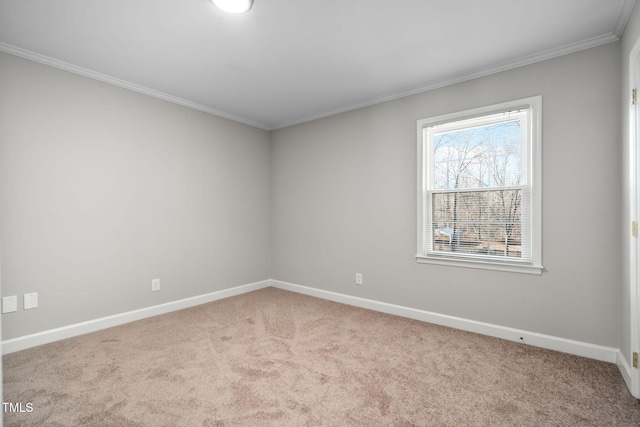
103 189
344 201
630 37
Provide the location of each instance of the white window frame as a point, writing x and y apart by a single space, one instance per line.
533 185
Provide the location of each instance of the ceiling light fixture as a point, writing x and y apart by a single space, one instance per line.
236 7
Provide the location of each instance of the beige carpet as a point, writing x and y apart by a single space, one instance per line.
278 358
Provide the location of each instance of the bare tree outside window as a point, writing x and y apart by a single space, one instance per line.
480 188
476 192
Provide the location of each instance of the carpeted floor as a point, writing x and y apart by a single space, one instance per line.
273 357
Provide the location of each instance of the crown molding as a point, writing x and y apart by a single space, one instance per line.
505 66
623 17
62 65
625 12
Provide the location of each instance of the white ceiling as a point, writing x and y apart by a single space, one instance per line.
289 61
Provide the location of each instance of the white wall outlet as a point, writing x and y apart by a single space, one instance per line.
155 285
358 278
30 300
10 304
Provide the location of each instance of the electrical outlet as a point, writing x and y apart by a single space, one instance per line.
358 278
155 285
30 300
9 304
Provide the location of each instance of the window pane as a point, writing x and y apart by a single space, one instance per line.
478 222
476 157
479 187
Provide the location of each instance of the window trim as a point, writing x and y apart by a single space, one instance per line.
534 178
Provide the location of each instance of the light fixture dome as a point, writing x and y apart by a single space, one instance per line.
233 6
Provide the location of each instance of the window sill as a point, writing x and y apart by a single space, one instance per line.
482 265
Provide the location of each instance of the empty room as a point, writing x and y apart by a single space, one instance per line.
310 213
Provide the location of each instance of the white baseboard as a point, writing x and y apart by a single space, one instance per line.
28 341
625 369
578 348
593 351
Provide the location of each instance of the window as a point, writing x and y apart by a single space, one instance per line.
479 188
